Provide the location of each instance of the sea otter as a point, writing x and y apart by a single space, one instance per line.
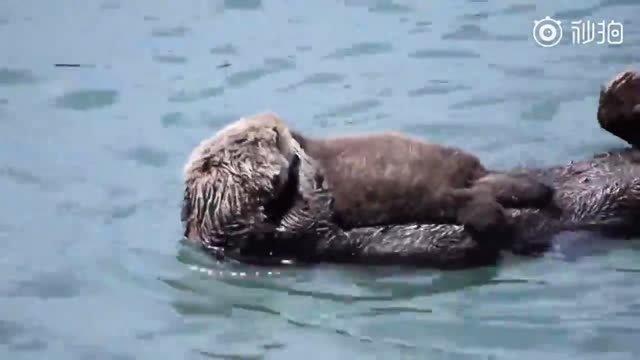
389 178
264 198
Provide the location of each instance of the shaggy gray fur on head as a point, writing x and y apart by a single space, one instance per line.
251 179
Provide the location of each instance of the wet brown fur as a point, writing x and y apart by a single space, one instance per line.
391 178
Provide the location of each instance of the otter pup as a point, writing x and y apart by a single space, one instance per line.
391 178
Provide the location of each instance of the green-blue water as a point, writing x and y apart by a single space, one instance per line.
91 157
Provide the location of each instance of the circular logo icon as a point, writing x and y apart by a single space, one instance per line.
547 32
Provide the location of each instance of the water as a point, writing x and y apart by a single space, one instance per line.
91 157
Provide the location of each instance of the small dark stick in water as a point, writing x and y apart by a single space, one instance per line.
73 65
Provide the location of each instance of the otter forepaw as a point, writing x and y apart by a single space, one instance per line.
484 216
534 193
517 191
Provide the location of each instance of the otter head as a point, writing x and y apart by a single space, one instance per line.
619 107
250 181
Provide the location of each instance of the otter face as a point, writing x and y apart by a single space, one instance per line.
240 182
252 182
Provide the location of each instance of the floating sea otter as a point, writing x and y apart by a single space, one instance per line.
257 192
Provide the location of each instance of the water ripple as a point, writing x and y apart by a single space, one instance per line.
379 6
542 110
444 53
90 99
218 120
201 309
316 79
620 58
524 71
475 32
346 110
117 191
226 49
177 31
467 32
120 212
21 338
515 9
577 13
419 30
613 3
243 4
26 177
9 77
170 59
381 311
216 355
174 119
110 5
195 95
148 156
436 90
271 66
361 49
47 286
475 16
477 101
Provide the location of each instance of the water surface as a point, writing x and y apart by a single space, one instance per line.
91 158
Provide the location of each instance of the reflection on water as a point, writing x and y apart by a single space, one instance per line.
92 154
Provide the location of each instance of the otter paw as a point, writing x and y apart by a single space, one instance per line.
483 216
517 190
534 194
